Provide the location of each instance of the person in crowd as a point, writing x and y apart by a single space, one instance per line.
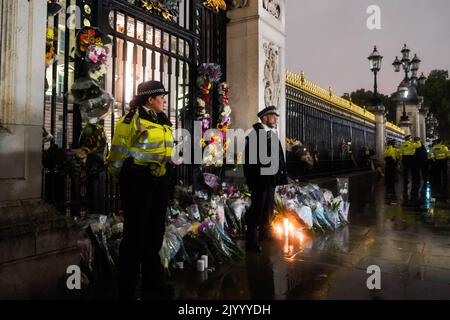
391 156
407 151
440 155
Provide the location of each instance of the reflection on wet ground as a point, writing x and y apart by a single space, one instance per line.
409 242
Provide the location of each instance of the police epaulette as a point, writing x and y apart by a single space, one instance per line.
129 117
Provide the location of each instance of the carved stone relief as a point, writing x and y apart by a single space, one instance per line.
273 7
271 80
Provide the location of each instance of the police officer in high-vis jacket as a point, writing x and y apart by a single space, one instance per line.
440 155
407 151
140 157
391 156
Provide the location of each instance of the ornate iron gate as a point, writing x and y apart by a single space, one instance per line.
144 47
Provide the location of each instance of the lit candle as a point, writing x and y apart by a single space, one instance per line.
205 259
300 237
286 245
200 265
279 229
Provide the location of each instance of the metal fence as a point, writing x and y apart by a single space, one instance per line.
336 142
144 47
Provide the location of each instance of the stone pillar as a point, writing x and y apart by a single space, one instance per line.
23 26
256 61
380 131
423 128
406 126
37 243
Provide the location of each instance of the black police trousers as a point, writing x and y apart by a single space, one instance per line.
261 208
389 176
144 201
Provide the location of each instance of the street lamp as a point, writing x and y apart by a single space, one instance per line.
375 66
408 87
408 65
422 79
404 91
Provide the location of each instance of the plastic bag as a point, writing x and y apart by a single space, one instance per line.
193 212
211 180
171 245
239 206
96 107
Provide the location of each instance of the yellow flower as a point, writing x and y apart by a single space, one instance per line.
194 228
50 34
98 42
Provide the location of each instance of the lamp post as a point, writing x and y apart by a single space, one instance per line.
375 66
407 89
403 90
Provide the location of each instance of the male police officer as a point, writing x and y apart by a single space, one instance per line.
261 183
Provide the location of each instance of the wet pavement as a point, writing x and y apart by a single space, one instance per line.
411 246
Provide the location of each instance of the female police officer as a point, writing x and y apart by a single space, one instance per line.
140 156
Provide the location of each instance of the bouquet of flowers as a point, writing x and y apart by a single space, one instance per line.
210 72
87 37
220 245
84 89
96 107
50 53
93 137
316 208
96 54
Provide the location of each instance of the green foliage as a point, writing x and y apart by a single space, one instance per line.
363 98
436 92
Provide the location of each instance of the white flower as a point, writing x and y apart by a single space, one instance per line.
201 103
117 228
97 227
226 111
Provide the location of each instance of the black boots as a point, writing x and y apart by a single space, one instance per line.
251 241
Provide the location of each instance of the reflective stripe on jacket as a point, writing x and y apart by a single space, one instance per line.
147 142
439 152
408 148
391 152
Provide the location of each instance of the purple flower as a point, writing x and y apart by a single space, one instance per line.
205 123
226 121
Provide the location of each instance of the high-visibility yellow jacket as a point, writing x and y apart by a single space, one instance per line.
408 148
147 142
439 152
391 152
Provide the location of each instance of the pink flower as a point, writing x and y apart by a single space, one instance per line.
96 54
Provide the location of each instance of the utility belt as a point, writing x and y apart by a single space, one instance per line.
149 167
